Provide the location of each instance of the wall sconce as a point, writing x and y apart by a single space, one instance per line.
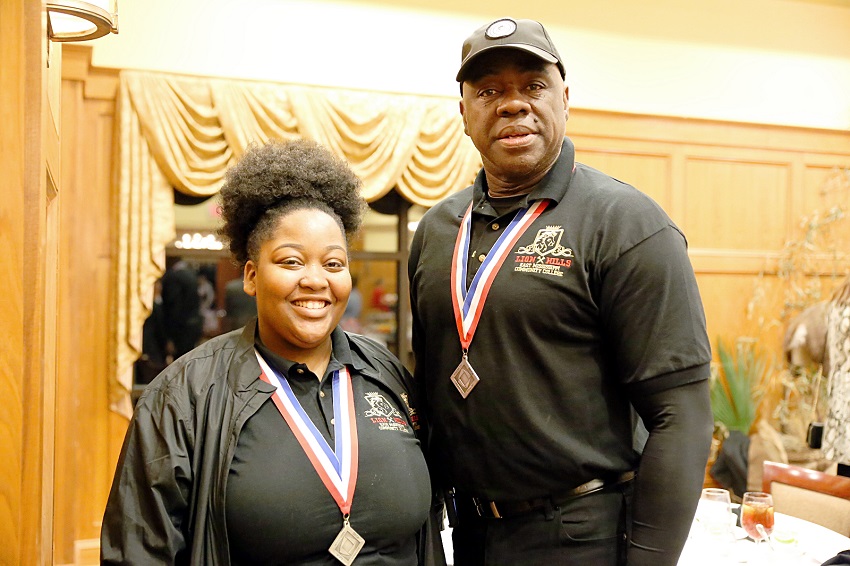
78 20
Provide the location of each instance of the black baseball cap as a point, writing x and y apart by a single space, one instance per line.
527 35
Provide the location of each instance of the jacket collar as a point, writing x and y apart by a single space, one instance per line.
245 369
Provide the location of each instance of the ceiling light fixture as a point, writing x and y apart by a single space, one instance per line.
78 20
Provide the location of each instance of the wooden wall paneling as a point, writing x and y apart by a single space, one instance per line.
603 124
13 150
798 196
28 225
110 425
724 298
728 298
739 192
650 172
736 205
71 383
91 435
29 144
827 186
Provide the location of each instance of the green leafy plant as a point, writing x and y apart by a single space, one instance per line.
735 386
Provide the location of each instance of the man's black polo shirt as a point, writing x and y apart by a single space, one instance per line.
596 301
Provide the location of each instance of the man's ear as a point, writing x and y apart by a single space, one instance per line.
249 276
463 116
566 103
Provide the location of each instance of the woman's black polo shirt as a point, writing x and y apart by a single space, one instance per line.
279 512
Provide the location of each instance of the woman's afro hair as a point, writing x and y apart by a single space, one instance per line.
275 178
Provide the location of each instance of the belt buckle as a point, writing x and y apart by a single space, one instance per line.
489 506
588 487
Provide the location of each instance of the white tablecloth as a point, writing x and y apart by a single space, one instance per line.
812 545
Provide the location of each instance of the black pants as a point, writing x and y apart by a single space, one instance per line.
586 531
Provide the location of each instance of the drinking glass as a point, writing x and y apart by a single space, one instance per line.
714 512
757 515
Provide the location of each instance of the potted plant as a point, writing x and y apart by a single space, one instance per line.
735 396
735 386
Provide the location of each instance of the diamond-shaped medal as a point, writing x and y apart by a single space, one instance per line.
464 378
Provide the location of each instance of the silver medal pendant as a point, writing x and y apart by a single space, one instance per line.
347 544
464 377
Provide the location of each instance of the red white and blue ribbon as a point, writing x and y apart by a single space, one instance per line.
338 467
469 304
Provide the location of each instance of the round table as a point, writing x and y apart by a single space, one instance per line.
812 545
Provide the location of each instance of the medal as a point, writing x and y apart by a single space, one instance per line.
464 377
468 304
347 543
336 467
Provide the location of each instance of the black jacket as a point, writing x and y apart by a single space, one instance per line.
180 444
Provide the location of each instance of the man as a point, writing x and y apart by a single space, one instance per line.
550 302
181 306
239 305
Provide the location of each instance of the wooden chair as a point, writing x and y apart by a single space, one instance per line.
815 496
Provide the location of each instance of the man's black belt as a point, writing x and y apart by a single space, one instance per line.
506 509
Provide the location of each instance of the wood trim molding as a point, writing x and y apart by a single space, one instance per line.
705 132
99 82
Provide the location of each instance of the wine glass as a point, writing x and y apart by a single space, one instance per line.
757 515
714 512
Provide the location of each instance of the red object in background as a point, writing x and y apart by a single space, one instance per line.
377 301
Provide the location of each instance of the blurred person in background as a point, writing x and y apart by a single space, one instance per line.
206 295
181 307
836 430
239 306
351 317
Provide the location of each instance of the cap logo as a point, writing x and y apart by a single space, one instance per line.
500 28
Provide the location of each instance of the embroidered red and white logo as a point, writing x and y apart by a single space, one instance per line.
545 254
384 414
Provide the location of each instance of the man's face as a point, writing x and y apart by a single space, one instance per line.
514 108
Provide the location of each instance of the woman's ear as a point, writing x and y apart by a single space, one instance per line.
249 275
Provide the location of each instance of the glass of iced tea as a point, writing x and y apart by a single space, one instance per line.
757 509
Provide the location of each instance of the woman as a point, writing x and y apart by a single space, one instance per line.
289 441
836 430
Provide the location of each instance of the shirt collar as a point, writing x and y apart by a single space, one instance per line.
553 186
340 354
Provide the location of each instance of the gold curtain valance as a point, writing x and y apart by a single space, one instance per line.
178 132
197 127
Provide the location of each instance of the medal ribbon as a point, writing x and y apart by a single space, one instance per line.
469 304
336 468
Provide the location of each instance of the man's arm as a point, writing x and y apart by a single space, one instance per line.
671 472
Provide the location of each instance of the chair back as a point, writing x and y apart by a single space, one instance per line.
815 496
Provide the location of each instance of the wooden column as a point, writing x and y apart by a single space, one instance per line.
29 223
90 434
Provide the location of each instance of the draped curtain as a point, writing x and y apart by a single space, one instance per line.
182 133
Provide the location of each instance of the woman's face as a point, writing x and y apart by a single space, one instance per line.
301 282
